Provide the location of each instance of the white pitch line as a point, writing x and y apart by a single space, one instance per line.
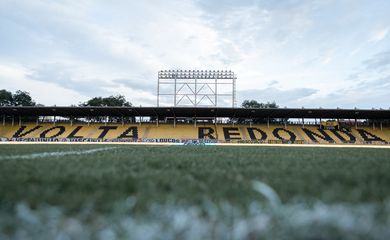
55 154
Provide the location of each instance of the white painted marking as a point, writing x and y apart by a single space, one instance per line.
56 154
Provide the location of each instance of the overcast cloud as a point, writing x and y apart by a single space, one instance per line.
321 53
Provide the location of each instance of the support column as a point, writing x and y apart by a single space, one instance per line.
13 120
54 122
285 123
3 120
303 122
71 121
174 121
20 121
267 122
122 121
355 123
381 126
37 122
158 91
174 96
216 92
196 92
234 92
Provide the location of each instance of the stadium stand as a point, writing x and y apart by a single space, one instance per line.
222 133
164 124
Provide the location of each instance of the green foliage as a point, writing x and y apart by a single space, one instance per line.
190 174
19 98
118 100
5 98
22 98
255 104
111 101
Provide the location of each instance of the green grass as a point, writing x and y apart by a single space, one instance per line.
193 192
188 175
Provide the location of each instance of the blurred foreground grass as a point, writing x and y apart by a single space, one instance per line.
187 175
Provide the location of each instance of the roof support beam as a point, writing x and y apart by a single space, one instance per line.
83 112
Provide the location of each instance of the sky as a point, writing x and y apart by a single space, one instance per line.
325 53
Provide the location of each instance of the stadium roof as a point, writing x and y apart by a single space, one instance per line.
201 112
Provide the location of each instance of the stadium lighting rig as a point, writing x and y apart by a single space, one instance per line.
197 87
196 74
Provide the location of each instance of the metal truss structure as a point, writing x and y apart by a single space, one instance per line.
197 88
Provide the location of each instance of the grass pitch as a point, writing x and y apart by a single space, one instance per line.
75 177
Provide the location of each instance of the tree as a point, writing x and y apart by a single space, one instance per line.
255 104
5 98
111 101
19 98
118 100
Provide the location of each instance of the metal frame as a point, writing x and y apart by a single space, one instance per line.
189 79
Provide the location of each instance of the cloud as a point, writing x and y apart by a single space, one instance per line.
291 50
137 84
378 61
124 46
289 97
369 93
14 77
62 77
379 35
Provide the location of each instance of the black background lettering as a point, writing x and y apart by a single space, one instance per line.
134 131
312 135
202 133
336 132
276 131
106 129
228 134
74 132
61 130
19 133
251 132
369 137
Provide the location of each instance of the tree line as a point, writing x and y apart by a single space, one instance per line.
23 98
19 98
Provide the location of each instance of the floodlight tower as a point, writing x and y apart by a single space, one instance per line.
200 88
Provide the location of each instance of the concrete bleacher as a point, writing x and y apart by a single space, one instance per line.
220 132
